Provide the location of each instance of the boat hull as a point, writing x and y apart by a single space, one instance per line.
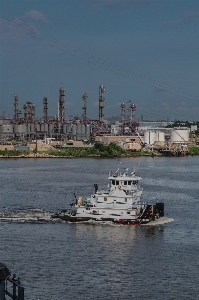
151 212
75 219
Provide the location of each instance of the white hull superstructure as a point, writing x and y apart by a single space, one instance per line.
120 203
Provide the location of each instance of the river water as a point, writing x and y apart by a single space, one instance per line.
59 261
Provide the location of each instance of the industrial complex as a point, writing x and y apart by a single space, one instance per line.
130 134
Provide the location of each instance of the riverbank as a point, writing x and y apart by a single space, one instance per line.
98 150
194 150
47 151
23 154
102 151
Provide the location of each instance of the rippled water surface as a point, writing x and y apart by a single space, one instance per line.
83 261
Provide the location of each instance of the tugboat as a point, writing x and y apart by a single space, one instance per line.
120 203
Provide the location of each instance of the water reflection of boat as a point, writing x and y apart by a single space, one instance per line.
120 203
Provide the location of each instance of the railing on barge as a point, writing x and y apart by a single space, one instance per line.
10 287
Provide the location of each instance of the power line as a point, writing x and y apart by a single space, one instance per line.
103 64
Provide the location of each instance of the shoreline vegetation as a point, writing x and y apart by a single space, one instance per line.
98 150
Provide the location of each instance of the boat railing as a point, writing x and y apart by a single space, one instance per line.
102 192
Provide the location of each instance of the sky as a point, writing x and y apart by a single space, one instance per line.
146 51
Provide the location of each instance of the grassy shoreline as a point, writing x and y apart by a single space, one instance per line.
44 154
64 154
193 150
111 151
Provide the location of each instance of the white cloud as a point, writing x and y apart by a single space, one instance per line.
35 15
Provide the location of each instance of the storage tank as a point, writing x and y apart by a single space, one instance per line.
160 136
51 127
69 128
64 128
38 127
74 129
83 129
6 128
179 135
46 127
42 127
31 127
79 129
22 128
88 128
150 137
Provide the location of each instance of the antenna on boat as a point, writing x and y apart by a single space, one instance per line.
75 198
137 168
127 169
119 162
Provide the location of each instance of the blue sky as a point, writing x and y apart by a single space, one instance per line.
146 51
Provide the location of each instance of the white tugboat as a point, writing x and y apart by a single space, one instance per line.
121 203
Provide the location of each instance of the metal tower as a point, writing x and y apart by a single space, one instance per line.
29 114
132 124
84 97
132 108
101 102
45 110
123 108
61 105
16 108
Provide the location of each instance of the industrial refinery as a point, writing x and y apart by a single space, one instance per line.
27 127
130 134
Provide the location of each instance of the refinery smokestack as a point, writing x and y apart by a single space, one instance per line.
15 107
45 103
84 97
61 105
17 112
101 102
123 108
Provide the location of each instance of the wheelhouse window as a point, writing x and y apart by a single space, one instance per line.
128 212
117 182
113 182
135 182
125 199
105 198
129 182
125 182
